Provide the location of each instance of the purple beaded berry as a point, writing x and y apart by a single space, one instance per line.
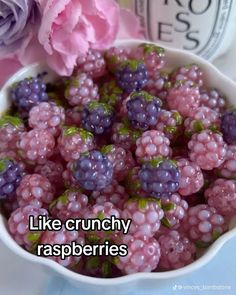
97 117
131 75
93 171
28 93
160 177
10 177
143 110
228 127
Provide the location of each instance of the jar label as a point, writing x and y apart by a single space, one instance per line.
194 25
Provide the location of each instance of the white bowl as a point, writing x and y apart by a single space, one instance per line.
123 285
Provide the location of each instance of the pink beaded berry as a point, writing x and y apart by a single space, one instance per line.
151 144
207 149
114 56
74 141
81 90
175 208
92 64
67 176
203 118
101 211
213 99
191 72
203 225
52 170
11 129
113 193
73 116
124 136
71 204
158 85
47 116
170 123
228 168
18 225
152 55
176 251
143 255
63 237
36 146
184 98
222 195
191 177
36 190
133 184
145 214
121 159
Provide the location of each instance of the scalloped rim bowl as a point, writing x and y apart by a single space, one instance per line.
129 282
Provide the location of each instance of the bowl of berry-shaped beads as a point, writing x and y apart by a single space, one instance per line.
137 132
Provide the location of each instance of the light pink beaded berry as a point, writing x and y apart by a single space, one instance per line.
143 255
71 204
207 149
81 90
158 85
113 193
36 146
121 159
18 225
92 63
191 72
175 208
124 136
203 225
73 116
228 168
11 129
47 116
67 176
74 141
191 177
52 170
114 56
184 98
63 237
213 99
170 123
222 195
152 55
36 190
151 144
145 214
133 184
101 211
203 118
176 251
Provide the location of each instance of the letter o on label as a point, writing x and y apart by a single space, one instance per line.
194 10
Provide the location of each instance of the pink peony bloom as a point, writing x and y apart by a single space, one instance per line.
69 28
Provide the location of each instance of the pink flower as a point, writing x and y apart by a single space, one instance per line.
69 28
8 67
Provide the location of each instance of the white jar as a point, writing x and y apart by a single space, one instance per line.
204 27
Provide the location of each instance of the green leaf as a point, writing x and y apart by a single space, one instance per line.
165 222
215 235
70 130
198 126
92 262
168 206
100 215
106 149
33 237
106 269
178 118
201 244
2 165
155 162
10 120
